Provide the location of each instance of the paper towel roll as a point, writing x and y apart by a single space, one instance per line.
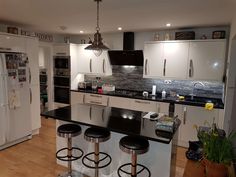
154 89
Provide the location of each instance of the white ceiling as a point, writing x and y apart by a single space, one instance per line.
131 15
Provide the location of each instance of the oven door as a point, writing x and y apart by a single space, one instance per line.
62 94
62 81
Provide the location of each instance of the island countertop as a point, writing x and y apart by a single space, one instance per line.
115 119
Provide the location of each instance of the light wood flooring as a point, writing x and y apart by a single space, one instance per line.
36 157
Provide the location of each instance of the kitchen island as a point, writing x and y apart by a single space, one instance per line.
121 122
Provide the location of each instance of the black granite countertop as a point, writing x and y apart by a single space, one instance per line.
115 119
196 101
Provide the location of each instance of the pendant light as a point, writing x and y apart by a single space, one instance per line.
97 45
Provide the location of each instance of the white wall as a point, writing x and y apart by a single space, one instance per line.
230 103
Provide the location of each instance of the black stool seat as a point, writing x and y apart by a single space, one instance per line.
135 144
68 130
95 134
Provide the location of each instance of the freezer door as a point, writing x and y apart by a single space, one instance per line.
3 123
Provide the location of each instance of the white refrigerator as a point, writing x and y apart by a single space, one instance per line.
15 121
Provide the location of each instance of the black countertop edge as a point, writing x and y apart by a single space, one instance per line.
219 104
64 114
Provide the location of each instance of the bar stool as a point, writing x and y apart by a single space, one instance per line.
68 131
133 145
96 136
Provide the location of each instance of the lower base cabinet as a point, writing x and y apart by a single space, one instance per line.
191 116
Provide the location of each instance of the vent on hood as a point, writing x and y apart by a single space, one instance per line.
129 57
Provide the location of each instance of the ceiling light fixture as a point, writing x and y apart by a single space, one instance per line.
168 24
119 28
97 45
81 32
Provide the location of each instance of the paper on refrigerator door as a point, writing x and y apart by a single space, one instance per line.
14 99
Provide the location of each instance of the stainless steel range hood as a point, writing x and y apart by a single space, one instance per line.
127 56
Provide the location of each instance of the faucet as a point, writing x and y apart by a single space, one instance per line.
193 88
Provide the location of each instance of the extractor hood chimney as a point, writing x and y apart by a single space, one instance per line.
127 56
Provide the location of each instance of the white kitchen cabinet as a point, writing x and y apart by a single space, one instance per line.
153 59
194 60
190 116
61 49
12 43
96 99
32 50
144 105
206 60
77 97
164 59
119 102
89 64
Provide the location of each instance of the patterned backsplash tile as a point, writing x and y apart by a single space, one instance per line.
131 78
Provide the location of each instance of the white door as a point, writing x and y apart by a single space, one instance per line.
85 62
175 60
153 60
206 60
199 116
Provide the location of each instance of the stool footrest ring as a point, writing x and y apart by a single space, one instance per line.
86 157
120 169
68 158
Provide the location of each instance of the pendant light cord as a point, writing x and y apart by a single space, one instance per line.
97 28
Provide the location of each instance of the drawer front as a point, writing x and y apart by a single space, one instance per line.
96 99
143 105
77 97
119 102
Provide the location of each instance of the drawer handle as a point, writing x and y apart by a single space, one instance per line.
185 115
95 102
61 53
142 102
97 96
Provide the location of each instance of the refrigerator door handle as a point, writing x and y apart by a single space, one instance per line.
30 96
29 75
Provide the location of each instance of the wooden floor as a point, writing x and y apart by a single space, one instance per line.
36 157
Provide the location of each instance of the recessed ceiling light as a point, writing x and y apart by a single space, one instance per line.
119 28
81 31
168 24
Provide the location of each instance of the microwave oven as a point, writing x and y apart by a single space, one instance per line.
62 62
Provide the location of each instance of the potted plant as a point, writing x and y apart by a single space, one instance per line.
217 150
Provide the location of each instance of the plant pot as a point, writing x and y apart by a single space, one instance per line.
194 169
215 169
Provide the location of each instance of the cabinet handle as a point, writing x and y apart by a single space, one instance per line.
103 115
191 68
146 63
158 108
90 65
61 53
29 76
90 112
95 102
97 96
83 98
30 96
103 66
4 48
108 101
185 114
142 102
164 68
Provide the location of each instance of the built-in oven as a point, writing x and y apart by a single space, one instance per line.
62 62
61 79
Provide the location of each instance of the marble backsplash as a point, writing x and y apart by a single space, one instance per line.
131 78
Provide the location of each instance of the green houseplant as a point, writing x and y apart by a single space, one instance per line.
217 149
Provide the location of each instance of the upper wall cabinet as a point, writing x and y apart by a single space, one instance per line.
90 64
206 60
197 60
10 43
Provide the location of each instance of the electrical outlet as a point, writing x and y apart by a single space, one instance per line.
167 81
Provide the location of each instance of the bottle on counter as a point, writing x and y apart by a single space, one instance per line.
99 83
163 94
